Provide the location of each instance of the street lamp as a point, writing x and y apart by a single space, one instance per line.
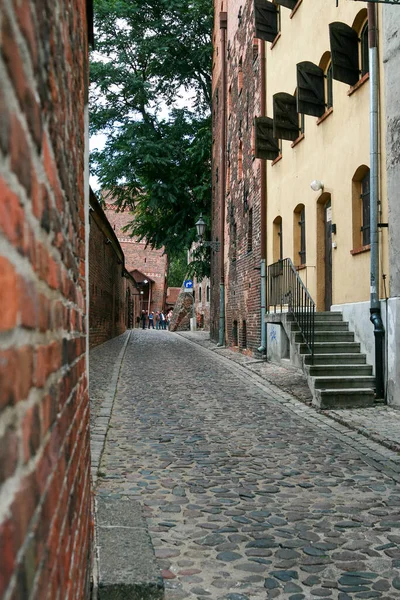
201 229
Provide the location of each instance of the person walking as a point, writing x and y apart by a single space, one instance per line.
143 319
157 319
162 320
151 320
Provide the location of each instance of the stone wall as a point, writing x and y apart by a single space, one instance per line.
183 312
45 494
114 300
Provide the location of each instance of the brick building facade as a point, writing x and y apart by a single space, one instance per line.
45 495
152 264
115 300
237 177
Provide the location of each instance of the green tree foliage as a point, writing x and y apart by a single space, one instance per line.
156 159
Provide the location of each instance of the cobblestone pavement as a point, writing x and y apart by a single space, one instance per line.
248 492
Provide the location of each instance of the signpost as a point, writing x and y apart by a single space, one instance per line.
188 284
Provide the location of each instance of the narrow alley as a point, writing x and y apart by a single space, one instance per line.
247 493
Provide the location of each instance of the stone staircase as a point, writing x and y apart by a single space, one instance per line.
339 376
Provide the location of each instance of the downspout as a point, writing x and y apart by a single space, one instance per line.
375 308
222 179
263 208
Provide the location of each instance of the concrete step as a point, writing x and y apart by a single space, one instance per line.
329 336
332 348
336 359
350 398
340 383
324 316
325 326
341 370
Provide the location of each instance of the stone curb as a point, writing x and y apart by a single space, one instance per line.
372 451
128 568
99 431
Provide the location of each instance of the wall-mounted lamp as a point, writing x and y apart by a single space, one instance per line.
316 185
201 229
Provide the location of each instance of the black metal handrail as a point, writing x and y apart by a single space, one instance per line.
287 293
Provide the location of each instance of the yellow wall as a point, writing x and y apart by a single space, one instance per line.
331 152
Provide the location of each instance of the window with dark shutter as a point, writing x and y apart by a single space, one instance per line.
310 89
286 120
287 3
364 50
329 86
266 146
265 20
344 53
365 199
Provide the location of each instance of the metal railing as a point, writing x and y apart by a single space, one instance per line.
287 293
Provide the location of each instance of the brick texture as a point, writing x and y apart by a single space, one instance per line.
45 494
114 300
240 255
153 263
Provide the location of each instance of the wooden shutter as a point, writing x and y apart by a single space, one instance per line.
344 53
286 118
266 146
265 20
310 89
287 3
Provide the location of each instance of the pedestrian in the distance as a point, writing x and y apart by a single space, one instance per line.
151 320
162 320
157 319
143 319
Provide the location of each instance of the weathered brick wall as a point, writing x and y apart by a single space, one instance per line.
113 297
45 496
202 302
242 261
153 263
183 311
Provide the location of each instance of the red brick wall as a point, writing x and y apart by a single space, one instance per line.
45 496
153 263
113 298
242 274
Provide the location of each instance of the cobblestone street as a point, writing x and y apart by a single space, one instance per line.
248 492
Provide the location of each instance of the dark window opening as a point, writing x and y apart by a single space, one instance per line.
365 200
199 293
364 50
302 225
208 293
235 333
329 86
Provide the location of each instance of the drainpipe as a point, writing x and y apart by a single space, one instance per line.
375 308
263 209
222 179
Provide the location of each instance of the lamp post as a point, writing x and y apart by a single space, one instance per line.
201 229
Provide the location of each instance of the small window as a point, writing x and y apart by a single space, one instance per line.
250 231
364 50
329 86
199 293
365 210
299 236
235 333
277 250
208 293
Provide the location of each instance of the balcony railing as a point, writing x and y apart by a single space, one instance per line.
287 293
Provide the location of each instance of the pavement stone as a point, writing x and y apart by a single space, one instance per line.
226 464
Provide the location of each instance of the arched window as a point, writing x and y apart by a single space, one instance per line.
277 250
200 293
361 208
326 65
299 235
208 293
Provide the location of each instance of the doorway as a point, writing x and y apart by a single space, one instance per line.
328 254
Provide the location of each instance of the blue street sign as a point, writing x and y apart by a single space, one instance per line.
188 284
